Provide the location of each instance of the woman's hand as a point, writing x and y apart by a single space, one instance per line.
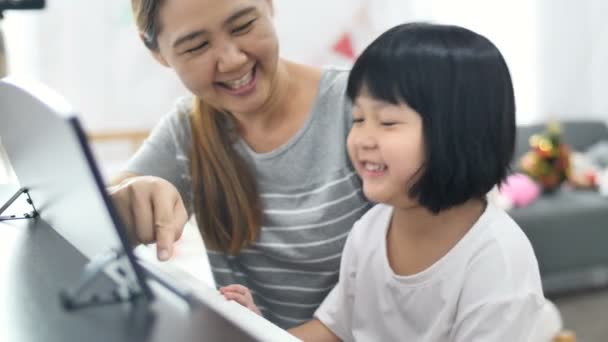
152 210
241 295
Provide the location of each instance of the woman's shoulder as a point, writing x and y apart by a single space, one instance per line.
331 96
334 79
182 106
174 125
178 115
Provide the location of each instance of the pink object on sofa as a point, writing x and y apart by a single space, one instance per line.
520 189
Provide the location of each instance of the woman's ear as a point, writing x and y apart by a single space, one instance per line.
271 7
159 58
155 53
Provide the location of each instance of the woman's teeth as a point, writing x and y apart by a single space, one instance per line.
236 84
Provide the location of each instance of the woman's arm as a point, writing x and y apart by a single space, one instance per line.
148 197
122 176
314 331
151 210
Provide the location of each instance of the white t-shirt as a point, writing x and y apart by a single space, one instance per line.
486 288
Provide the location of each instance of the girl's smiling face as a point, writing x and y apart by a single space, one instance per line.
386 146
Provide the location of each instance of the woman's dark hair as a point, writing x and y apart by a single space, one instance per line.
459 83
146 19
226 200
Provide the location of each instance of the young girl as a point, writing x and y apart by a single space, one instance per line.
433 132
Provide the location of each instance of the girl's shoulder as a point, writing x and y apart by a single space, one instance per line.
500 246
503 230
373 223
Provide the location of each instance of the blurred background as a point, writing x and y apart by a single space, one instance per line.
89 52
557 51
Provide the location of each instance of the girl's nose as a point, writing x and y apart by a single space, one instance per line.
365 140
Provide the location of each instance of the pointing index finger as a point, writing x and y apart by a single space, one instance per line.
166 225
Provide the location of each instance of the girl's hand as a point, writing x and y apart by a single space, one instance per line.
241 295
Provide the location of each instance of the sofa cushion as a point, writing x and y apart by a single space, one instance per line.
569 232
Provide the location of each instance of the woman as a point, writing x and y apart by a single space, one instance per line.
257 154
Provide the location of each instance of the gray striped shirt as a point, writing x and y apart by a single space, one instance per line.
311 197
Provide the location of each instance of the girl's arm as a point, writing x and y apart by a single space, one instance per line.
508 319
314 330
241 295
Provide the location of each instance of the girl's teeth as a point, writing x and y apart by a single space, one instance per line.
240 82
374 167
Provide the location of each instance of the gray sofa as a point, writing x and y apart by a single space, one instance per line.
568 228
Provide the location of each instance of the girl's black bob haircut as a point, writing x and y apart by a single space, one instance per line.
459 83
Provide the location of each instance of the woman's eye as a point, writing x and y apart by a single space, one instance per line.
243 28
388 123
357 120
198 47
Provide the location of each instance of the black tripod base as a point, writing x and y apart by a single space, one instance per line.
31 214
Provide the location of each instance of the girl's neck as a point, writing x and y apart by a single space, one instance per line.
420 223
417 238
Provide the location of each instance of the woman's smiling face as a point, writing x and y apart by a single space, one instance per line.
224 51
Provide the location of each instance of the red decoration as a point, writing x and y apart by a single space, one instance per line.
344 46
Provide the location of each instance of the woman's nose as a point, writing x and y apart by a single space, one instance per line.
230 57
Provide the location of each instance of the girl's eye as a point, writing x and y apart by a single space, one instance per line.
243 28
388 123
198 47
357 120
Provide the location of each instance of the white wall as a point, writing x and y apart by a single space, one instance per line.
511 26
91 54
557 50
307 33
573 58
89 51
598 45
